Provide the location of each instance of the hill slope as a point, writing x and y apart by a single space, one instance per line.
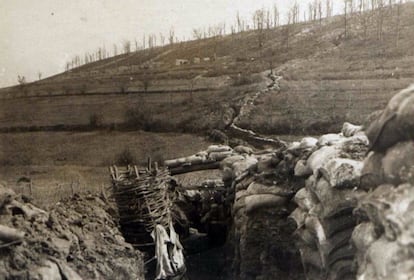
325 78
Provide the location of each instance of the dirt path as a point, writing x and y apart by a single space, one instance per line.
248 104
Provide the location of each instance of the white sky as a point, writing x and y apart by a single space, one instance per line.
42 35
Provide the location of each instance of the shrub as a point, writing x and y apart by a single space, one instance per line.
95 120
126 157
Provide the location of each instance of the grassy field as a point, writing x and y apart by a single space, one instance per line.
60 163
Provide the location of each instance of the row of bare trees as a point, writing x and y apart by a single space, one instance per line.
369 15
364 13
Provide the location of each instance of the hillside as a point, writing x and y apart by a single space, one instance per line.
325 79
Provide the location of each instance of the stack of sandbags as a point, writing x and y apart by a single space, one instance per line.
324 218
261 234
384 239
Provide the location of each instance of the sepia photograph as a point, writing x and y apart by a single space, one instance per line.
207 140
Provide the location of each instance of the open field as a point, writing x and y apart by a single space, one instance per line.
60 163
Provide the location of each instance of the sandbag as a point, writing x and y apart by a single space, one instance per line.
373 205
302 169
258 201
363 236
305 199
322 156
312 257
383 132
349 129
388 129
194 159
243 150
334 200
355 147
385 256
398 163
405 117
230 160
315 227
218 149
218 156
330 139
342 173
299 217
257 188
308 143
249 164
372 174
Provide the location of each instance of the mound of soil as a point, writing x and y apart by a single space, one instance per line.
77 239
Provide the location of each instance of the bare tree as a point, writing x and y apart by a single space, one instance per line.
276 16
39 75
380 19
171 36
21 80
398 23
115 50
329 8
127 46
320 11
346 17
197 33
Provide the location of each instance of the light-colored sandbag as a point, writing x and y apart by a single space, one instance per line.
302 169
229 161
239 167
218 149
293 146
398 163
363 236
342 172
305 199
258 201
372 173
330 139
320 157
243 150
349 129
195 159
257 188
308 143
218 156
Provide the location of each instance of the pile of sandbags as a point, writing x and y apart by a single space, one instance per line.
384 239
261 234
324 220
76 239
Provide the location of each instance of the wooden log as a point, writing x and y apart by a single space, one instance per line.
196 167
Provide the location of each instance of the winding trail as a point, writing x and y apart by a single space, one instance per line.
248 104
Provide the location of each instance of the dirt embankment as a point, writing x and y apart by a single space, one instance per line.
76 239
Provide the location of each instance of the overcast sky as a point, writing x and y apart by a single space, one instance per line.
42 35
